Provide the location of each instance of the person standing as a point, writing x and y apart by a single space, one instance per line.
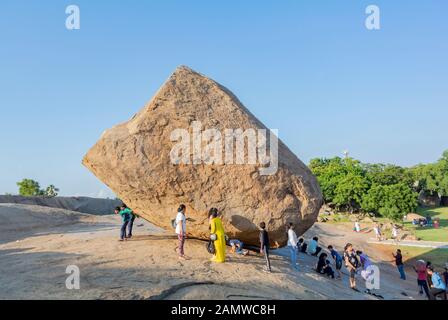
352 263
357 227
292 245
181 231
399 263
377 230
395 233
264 246
125 214
217 231
337 260
421 271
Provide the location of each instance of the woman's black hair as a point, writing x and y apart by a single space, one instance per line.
323 255
358 252
213 212
117 208
123 205
181 208
315 238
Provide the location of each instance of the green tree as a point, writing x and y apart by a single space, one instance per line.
398 200
29 188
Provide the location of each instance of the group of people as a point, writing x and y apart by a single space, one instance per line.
217 234
430 282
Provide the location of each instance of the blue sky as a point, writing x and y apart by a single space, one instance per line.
309 68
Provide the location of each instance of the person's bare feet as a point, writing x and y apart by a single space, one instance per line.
184 257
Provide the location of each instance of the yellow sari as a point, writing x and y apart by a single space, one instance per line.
220 242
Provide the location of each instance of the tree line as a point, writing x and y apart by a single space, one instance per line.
383 189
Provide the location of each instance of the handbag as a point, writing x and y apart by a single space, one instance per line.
210 247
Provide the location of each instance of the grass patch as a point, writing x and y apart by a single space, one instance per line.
438 257
429 233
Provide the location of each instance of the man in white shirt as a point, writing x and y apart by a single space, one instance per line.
292 245
181 230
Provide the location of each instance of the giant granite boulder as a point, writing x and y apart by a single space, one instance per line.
140 160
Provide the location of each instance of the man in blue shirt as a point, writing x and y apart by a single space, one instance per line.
337 260
438 286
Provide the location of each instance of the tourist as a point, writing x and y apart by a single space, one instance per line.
337 260
236 246
352 263
377 230
292 245
365 262
357 227
125 214
302 246
218 236
399 263
395 233
422 283
181 231
438 287
313 248
428 277
264 246
323 266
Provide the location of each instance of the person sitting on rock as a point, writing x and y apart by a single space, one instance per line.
438 287
313 247
323 266
302 246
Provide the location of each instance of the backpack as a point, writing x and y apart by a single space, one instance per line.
210 247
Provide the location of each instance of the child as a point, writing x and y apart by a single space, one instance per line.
323 266
377 231
237 247
264 246
302 246
357 227
395 233
337 260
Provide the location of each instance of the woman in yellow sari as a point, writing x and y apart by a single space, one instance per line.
220 242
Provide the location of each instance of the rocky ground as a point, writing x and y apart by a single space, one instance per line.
38 243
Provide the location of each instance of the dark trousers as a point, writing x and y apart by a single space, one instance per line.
318 249
329 272
401 270
266 257
130 225
123 230
435 292
424 286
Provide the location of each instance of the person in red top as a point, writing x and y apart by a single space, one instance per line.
421 278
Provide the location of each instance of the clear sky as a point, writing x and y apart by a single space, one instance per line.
309 68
